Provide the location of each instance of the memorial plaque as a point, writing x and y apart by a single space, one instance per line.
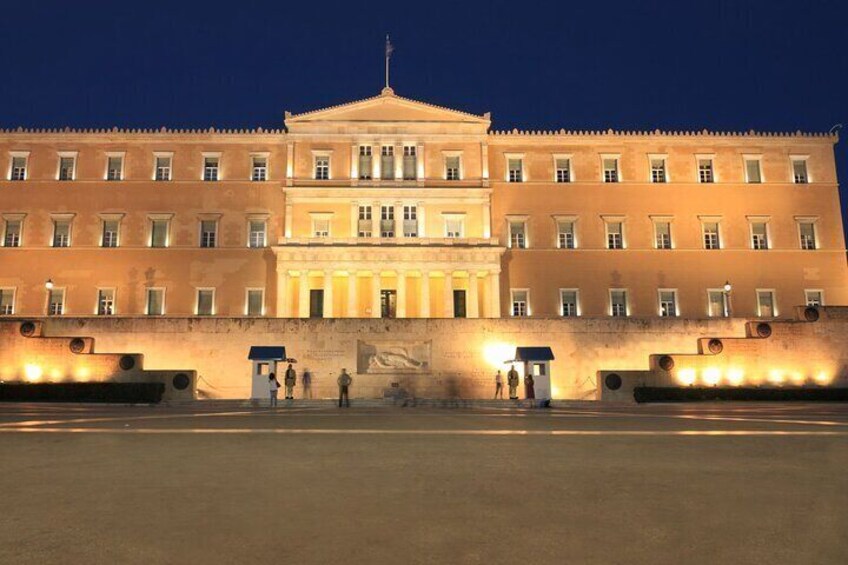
392 357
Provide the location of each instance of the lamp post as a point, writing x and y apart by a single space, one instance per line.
727 288
48 284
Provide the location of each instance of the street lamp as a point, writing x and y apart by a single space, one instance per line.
49 284
727 288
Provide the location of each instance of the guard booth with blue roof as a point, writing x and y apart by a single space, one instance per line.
537 362
265 359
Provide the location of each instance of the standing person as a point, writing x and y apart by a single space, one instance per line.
512 381
498 385
274 385
290 380
529 390
306 381
344 388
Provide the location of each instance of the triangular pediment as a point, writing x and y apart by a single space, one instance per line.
387 108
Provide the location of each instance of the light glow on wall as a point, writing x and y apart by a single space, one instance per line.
735 376
32 372
711 376
496 354
686 377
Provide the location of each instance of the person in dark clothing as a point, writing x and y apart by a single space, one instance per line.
344 381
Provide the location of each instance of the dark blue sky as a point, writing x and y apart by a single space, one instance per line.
721 64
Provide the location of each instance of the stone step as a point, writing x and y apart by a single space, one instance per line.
233 404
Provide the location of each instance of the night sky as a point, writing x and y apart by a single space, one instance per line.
723 64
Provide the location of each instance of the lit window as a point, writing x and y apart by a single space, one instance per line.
518 234
515 169
210 168
568 302
618 303
765 304
711 235
717 303
163 168
799 171
208 233
259 168
615 235
66 167
106 302
759 235
61 233
56 302
453 227
807 232
410 221
814 297
519 303
256 236
387 162
155 302
110 233
7 301
255 302
159 233
410 162
12 233
658 173
205 302
565 235
114 167
563 169
365 224
668 303
19 168
320 227
387 221
452 167
365 162
610 169
322 167
753 172
705 170
662 234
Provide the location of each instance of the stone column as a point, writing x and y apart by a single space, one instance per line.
422 220
487 220
354 219
288 221
303 301
354 163
449 313
375 162
419 162
472 309
398 219
494 294
283 294
352 295
425 295
399 161
401 294
375 294
328 294
375 219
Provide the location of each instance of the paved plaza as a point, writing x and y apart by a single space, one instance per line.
582 483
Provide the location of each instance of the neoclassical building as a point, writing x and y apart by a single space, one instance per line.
391 207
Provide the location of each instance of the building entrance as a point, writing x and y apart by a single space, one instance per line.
388 303
316 303
459 304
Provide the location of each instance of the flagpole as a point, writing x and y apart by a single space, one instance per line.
388 53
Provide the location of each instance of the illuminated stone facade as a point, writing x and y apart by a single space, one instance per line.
389 207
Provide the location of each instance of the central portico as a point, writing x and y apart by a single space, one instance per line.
372 229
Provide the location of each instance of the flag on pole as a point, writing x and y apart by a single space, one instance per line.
389 47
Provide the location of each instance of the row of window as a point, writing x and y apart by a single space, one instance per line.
406 168
718 302
162 169
106 302
710 233
158 235
611 169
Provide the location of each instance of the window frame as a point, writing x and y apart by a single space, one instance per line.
807 292
774 308
200 222
753 158
61 155
262 310
458 217
114 155
661 157
147 291
719 235
724 303
62 291
104 218
218 169
814 222
563 157
320 217
10 176
524 221
114 291
151 218
627 307
7 218
14 300
169 155
616 157
460 168
266 156
799 159
322 155
55 219
766 221
655 221
522 168
213 310
713 174
621 220
577 309
512 302
561 219
676 302
259 219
